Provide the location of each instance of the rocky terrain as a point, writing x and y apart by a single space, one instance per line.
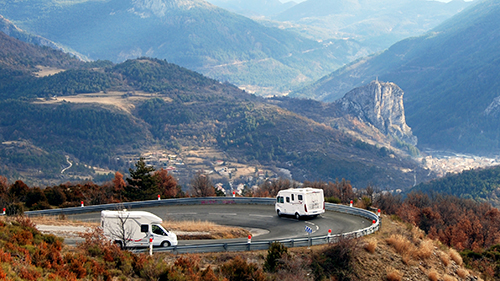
379 104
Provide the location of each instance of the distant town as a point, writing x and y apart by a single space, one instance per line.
227 176
444 163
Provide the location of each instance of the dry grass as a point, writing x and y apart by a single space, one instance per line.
205 230
462 273
61 221
425 249
394 275
371 245
445 258
456 256
401 244
433 275
447 277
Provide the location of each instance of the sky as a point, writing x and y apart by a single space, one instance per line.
298 1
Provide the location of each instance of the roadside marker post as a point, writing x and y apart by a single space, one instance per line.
234 194
82 204
150 246
159 197
329 235
3 211
309 231
249 241
350 205
378 212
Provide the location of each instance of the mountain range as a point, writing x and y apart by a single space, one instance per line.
190 33
100 113
376 23
263 58
449 76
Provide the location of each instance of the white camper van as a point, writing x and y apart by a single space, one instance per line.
134 228
300 202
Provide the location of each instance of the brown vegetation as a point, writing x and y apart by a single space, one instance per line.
461 223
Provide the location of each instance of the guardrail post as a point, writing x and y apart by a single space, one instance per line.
225 246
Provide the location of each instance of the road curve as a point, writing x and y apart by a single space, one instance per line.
251 216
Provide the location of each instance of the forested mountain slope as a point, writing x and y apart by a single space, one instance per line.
482 185
449 76
190 33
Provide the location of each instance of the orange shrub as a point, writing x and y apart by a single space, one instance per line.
456 256
402 245
238 269
394 275
447 277
433 275
462 273
445 258
424 251
371 246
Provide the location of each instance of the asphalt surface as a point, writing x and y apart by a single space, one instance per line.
261 217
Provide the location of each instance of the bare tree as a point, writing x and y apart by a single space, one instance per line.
201 186
119 229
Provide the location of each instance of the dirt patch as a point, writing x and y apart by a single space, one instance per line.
122 100
46 71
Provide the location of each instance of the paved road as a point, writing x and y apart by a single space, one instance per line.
252 216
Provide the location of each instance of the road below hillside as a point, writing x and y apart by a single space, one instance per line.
257 217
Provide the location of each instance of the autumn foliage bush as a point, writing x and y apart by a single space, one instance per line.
460 223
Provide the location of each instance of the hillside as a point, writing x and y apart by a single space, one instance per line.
191 33
390 254
448 76
106 115
482 185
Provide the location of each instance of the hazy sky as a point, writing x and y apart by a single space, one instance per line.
298 1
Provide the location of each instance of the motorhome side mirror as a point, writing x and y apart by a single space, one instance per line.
144 228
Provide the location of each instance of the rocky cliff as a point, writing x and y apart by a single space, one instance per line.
381 105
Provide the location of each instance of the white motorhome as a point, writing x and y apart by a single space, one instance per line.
134 228
300 202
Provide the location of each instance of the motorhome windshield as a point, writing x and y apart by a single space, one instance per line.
158 230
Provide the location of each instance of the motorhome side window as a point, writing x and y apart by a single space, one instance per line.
144 228
299 197
288 200
279 199
293 198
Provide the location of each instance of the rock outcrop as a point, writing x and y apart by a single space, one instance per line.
381 105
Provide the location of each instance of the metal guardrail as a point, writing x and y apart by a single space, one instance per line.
234 246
